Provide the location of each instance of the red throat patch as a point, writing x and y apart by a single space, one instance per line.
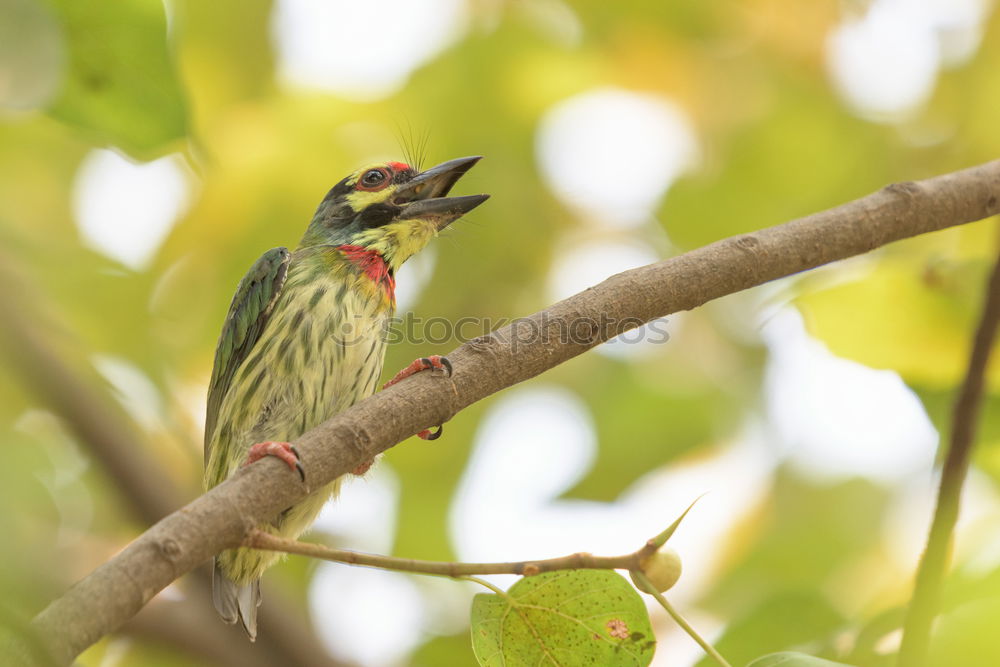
372 265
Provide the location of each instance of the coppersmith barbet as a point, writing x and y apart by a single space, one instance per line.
305 339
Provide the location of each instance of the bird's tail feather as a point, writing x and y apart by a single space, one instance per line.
235 602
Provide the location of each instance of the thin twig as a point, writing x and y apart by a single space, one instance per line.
221 518
680 620
485 584
258 539
633 562
934 562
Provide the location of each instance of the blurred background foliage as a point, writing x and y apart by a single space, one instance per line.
149 153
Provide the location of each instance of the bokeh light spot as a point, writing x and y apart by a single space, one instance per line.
366 616
348 47
885 63
535 443
582 265
125 209
611 154
363 515
838 418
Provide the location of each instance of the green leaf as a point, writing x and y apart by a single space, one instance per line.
120 83
573 617
900 319
793 659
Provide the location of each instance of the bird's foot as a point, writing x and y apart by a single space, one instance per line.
433 362
282 450
363 468
428 434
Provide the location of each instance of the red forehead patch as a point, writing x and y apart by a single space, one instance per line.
399 166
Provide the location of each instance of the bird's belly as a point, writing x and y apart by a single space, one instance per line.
320 353
333 361
317 357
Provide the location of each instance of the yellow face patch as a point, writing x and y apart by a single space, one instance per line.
359 200
374 184
397 241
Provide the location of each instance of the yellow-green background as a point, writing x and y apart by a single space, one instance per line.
776 142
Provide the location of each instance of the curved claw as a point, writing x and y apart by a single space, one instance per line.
298 463
428 434
282 450
433 362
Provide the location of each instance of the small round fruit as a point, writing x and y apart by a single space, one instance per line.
663 569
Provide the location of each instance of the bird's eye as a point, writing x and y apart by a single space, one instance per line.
373 179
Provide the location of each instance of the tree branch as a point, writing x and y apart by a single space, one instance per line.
71 391
74 392
258 539
934 562
191 627
636 563
223 517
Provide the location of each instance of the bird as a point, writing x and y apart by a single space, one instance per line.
305 338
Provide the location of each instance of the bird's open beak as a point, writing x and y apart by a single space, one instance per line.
425 196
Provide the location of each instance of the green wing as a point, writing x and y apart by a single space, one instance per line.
248 314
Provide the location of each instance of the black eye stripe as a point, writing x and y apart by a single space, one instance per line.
377 215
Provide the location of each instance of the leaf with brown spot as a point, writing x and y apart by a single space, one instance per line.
567 618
